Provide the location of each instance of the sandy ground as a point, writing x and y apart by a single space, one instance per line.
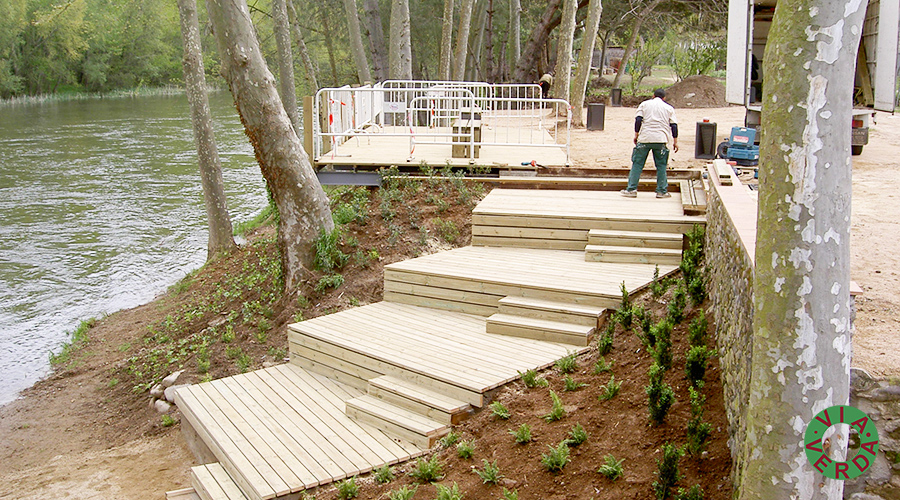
82 467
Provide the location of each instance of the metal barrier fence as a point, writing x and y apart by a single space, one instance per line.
438 112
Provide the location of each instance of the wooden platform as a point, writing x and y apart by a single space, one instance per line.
281 430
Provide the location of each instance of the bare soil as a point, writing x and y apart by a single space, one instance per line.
77 434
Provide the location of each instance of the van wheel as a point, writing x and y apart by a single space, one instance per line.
856 150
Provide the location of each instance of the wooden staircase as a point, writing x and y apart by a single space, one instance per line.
380 384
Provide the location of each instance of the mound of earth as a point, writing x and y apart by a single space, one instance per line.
699 91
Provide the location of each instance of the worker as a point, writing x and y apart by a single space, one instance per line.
545 82
654 123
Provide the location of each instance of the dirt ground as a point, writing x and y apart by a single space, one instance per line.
65 439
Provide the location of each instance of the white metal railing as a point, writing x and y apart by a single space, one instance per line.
425 112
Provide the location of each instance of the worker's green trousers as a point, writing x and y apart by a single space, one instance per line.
639 158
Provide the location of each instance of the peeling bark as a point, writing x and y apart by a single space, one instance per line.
562 81
220 229
356 46
801 348
308 65
462 39
376 39
302 204
446 41
400 54
583 73
285 63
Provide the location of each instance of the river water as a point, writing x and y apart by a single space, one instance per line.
101 209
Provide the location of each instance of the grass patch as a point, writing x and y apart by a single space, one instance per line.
77 339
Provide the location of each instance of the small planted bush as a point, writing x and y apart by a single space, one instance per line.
531 379
660 396
662 351
490 473
695 365
465 449
448 492
577 435
450 439
384 474
625 312
499 410
428 471
611 468
329 281
605 341
348 488
695 493
667 471
658 286
697 330
522 434
677 304
602 366
557 411
571 385
698 431
556 458
610 389
403 493
328 254
510 495
567 364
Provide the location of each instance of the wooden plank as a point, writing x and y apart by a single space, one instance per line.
449 305
219 440
496 241
206 485
632 255
682 225
182 494
635 239
519 326
454 295
723 171
530 233
231 489
396 421
325 370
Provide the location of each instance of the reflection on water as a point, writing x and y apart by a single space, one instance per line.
101 209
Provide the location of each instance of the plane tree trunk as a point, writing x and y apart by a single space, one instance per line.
583 73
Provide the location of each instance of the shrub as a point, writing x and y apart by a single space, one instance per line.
658 286
556 458
695 493
490 473
577 435
696 288
695 365
625 312
667 471
660 396
605 341
446 229
328 250
428 471
448 493
698 431
677 304
611 468
384 474
329 281
510 495
348 488
403 493
557 411
522 434
662 351
167 421
602 366
531 379
567 364
465 449
450 439
499 411
610 389
571 384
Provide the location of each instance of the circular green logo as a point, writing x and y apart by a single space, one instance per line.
817 450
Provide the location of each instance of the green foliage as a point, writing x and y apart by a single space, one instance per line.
697 331
605 340
446 229
677 304
348 488
329 281
571 385
643 318
662 351
465 449
642 62
694 53
450 439
499 410
268 215
698 431
556 458
610 389
167 421
577 435
602 366
403 493
659 286
625 312
490 473
522 434
660 395
693 255
667 471
77 339
510 495
531 379
428 471
695 493
567 364
448 493
349 204
328 250
384 474
557 411
695 365
611 468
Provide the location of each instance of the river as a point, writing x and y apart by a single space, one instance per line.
101 209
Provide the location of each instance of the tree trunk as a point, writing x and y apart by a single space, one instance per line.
446 41
562 80
801 339
302 204
489 43
475 68
376 40
356 45
583 73
462 39
285 63
635 30
400 54
329 46
220 230
526 65
311 78
515 32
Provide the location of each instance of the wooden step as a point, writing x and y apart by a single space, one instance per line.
639 239
396 421
632 255
531 328
212 482
182 494
419 399
550 310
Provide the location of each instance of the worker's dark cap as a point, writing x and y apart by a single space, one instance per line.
659 93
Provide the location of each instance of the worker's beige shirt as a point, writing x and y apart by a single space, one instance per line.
657 115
